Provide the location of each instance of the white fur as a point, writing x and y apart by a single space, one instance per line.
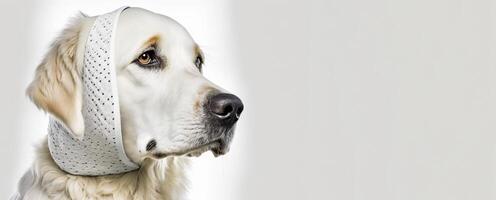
156 179
161 104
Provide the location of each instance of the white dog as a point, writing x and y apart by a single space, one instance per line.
168 110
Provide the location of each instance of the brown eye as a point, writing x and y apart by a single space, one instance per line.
149 59
145 58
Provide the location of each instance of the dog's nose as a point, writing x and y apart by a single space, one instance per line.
224 107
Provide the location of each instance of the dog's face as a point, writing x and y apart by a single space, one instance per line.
168 107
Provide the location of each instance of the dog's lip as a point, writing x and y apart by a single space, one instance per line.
216 146
221 149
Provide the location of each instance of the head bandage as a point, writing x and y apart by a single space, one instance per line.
100 151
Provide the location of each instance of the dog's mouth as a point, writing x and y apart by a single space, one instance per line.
218 147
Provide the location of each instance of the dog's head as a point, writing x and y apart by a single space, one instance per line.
167 106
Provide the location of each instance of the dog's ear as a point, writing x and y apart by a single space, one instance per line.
56 87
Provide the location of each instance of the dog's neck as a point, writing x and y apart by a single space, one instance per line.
163 179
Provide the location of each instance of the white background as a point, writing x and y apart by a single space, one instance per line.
344 99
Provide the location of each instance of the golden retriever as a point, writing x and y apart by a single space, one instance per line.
169 110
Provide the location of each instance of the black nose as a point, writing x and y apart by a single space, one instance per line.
225 108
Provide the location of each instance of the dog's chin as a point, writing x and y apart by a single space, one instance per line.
217 147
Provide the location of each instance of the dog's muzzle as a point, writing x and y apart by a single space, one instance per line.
222 112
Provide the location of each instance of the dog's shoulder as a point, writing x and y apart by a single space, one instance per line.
28 189
24 185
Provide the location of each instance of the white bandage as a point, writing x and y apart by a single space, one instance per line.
100 151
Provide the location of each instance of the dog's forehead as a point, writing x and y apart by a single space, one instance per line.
137 26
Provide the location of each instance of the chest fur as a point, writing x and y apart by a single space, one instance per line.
163 179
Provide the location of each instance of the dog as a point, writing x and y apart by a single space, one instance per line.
169 111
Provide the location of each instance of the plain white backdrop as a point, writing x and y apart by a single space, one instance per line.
348 100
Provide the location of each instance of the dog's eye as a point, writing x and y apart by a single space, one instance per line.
199 62
145 58
148 59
